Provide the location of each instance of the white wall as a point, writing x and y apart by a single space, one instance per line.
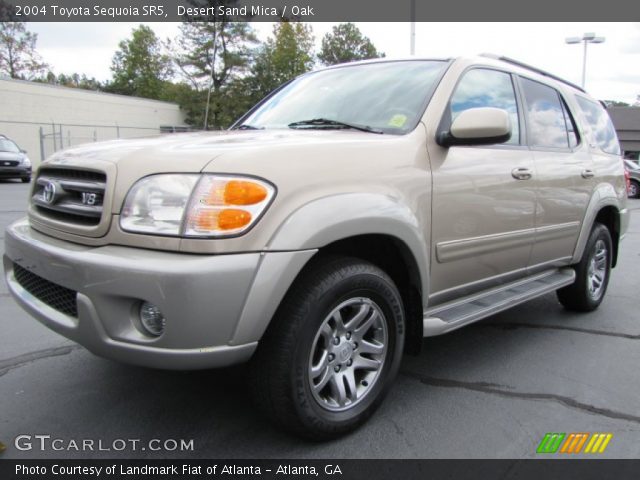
27 106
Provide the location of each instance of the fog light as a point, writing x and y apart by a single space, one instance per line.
152 319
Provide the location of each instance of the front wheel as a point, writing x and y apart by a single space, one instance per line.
332 350
592 273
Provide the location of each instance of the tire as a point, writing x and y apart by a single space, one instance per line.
305 353
592 273
26 179
634 189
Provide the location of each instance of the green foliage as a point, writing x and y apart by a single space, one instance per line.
210 56
74 80
191 101
616 103
215 69
282 58
139 67
18 56
346 44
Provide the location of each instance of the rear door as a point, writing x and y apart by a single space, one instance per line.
564 173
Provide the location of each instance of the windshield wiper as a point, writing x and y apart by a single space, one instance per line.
325 122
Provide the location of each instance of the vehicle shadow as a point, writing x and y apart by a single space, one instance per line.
215 408
11 180
89 397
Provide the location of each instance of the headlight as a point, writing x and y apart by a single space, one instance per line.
195 205
156 204
26 162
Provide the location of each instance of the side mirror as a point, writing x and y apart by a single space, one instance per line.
478 126
22 150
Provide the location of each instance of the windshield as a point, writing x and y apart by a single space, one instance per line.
8 146
389 97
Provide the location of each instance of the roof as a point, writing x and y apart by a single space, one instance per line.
537 70
625 118
515 65
82 90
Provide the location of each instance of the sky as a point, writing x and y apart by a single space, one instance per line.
613 67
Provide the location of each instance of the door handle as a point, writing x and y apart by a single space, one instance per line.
587 173
521 173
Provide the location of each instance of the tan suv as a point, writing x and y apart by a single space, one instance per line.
352 212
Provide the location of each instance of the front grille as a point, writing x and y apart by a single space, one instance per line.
8 163
72 196
56 296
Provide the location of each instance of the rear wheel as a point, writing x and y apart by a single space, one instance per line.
332 350
634 189
592 273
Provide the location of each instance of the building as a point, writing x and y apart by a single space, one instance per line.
43 118
627 123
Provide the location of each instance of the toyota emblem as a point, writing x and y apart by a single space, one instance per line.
49 193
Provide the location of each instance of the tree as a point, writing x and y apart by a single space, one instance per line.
615 103
285 56
346 44
210 55
74 80
191 101
140 67
18 56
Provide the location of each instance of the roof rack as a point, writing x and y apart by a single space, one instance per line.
533 69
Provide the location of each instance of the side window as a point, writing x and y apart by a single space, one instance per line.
487 88
603 132
547 119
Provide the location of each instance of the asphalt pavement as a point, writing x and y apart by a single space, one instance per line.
491 390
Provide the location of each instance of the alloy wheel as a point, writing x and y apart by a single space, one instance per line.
348 354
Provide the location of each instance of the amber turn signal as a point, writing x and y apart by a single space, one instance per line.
222 205
225 219
230 219
242 192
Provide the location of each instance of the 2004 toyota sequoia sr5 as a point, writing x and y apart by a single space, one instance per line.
352 212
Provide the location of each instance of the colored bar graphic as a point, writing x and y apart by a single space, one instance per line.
598 443
581 442
550 443
574 442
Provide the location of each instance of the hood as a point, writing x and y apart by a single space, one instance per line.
11 156
191 152
270 154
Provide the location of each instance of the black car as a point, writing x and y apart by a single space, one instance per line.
14 162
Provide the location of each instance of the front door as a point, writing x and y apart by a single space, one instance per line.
483 198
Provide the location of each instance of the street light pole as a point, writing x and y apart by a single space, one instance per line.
585 39
412 34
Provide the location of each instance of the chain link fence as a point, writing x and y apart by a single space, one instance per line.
58 136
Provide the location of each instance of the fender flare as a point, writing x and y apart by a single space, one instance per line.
342 216
604 195
313 226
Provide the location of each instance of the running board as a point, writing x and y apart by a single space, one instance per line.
453 315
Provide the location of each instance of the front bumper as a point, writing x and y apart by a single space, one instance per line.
15 172
216 306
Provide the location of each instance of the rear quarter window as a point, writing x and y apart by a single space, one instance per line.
602 131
